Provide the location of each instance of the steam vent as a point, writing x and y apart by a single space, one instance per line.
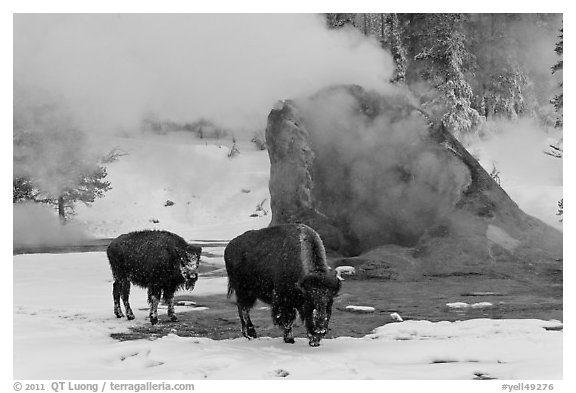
396 195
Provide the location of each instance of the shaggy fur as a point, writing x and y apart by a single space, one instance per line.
161 261
284 266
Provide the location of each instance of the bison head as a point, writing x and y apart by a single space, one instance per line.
189 266
319 290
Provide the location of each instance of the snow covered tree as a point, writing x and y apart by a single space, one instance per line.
23 190
52 163
560 209
501 83
558 100
88 186
392 39
443 59
468 67
335 21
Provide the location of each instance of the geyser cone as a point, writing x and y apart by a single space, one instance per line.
376 178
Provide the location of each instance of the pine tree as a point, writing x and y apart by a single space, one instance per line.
558 100
335 21
52 164
443 59
87 187
392 39
23 190
501 83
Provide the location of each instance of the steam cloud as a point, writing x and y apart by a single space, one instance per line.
111 70
103 73
393 182
36 225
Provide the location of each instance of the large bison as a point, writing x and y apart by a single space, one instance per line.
161 261
284 266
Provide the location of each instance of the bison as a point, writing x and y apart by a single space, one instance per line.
161 261
284 266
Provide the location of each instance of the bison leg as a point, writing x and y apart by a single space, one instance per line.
116 289
288 336
153 300
248 329
169 299
125 294
284 318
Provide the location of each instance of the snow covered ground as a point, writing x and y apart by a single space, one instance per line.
63 308
63 320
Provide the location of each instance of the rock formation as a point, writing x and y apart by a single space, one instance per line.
395 194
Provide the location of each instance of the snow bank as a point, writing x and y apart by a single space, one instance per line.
360 309
476 328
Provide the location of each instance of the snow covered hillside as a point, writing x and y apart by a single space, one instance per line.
213 195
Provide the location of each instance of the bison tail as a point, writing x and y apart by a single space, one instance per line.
230 290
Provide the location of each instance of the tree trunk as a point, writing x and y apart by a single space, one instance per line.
382 39
61 210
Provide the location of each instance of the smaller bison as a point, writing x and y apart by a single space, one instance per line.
284 266
161 261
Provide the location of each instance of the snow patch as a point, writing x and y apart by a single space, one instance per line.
460 305
361 309
481 305
395 316
345 270
457 305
